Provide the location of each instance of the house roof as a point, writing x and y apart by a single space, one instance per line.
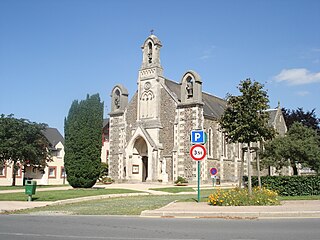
53 135
213 106
105 122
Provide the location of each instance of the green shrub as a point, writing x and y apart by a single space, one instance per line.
106 180
291 185
240 197
104 170
181 180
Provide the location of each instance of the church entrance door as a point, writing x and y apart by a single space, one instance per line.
139 161
144 168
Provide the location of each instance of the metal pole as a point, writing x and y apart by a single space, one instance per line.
198 181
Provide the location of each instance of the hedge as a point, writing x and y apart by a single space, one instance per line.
291 185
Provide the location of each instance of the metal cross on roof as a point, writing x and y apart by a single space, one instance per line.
151 31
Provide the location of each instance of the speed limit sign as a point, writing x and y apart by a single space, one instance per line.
198 152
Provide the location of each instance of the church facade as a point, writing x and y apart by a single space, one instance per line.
149 136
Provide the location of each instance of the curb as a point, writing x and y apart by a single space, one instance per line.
235 215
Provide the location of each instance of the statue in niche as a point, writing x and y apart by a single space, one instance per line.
189 88
117 99
150 52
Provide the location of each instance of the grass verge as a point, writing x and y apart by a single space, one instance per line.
310 197
56 195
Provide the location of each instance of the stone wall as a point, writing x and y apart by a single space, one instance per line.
131 117
167 115
116 124
280 124
187 119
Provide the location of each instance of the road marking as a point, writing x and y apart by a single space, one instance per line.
243 239
90 237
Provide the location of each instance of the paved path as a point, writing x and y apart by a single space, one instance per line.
293 209
7 206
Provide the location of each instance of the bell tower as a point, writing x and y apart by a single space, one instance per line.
151 52
150 76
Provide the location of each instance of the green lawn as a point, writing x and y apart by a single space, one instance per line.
111 206
128 205
56 195
38 186
174 189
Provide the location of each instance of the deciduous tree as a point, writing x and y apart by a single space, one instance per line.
245 119
308 119
299 145
22 143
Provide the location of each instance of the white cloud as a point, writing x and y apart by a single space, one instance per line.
208 53
297 76
303 93
316 61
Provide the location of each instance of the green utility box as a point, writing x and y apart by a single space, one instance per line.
31 187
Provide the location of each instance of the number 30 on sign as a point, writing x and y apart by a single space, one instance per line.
198 152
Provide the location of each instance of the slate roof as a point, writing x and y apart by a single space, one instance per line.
213 106
53 135
272 115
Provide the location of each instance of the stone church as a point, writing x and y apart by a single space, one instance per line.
149 136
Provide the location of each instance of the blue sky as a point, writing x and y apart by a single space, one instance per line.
53 52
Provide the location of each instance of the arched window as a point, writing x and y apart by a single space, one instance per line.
210 142
223 145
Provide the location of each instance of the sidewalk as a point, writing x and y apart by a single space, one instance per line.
288 209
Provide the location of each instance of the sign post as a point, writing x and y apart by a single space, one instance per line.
198 152
214 172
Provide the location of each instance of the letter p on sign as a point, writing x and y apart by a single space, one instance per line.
198 137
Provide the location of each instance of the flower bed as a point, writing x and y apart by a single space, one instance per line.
240 197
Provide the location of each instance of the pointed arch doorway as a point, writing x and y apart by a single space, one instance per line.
140 149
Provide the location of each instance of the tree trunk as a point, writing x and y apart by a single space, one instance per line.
295 169
14 173
249 170
241 169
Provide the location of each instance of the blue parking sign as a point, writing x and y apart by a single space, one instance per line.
198 137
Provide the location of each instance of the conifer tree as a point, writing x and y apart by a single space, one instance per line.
83 143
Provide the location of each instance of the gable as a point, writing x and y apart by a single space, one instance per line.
53 136
213 106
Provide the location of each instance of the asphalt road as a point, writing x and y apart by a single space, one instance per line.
27 227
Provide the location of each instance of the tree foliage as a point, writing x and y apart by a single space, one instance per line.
308 119
83 131
245 120
299 145
23 143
